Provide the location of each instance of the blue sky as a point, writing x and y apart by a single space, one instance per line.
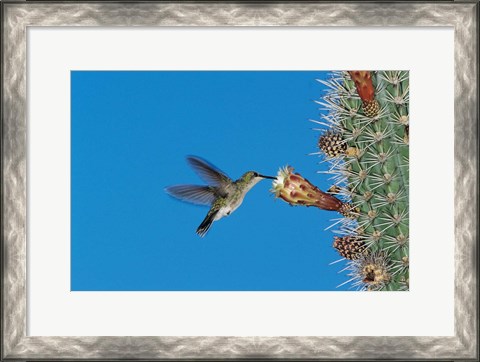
130 134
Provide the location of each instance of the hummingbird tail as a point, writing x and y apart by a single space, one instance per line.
206 223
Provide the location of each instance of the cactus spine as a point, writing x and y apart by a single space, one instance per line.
366 145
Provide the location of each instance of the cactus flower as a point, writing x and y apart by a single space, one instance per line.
296 190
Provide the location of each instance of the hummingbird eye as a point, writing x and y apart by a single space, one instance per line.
255 174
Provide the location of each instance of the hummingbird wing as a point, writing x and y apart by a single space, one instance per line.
209 172
200 195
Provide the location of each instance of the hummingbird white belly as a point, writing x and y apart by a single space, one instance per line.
227 210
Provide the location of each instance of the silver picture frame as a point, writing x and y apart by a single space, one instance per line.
17 16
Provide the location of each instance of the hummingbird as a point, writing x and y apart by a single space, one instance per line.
222 194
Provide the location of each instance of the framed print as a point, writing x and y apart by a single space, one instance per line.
239 180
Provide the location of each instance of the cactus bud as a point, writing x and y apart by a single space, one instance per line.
350 247
366 91
364 85
349 211
373 270
332 144
371 108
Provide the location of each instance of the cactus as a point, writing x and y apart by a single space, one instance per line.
366 146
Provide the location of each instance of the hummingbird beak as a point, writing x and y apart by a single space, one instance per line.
269 177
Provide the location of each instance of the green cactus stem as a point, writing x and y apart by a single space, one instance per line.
372 170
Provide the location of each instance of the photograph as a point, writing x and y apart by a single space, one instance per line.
165 167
